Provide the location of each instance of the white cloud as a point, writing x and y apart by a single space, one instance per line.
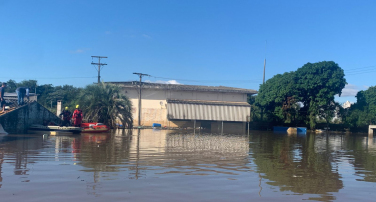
173 82
146 36
163 82
350 90
130 35
78 51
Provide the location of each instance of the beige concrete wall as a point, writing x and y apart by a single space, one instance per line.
154 103
154 107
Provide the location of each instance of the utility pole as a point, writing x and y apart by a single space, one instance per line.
99 65
139 96
263 78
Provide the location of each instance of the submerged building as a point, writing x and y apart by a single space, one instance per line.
176 105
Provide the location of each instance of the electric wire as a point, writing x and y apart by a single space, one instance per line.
79 77
360 70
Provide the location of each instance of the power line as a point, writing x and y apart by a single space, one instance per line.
81 77
359 68
364 72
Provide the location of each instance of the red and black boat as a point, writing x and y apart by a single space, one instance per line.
94 128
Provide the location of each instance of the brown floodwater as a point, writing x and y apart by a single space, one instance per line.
163 165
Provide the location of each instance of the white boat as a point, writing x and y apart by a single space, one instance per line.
70 129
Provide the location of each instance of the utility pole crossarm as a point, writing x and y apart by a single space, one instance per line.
141 74
99 65
93 63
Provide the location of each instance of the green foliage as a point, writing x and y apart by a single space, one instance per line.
274 92
255 110
31 84
11 86
48 95
101 103
363 112
313 86
104 103
317 85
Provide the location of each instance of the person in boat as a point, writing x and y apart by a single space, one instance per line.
77 116
66 114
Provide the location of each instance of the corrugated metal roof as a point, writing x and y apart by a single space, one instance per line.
209 102
225 89
209 112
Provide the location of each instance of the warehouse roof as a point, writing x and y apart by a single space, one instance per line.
209 102
145 85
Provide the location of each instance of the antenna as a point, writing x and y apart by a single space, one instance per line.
99 65
263 78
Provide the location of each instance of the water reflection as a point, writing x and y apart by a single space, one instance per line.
261 166
363 151
15 151
300 164
141 150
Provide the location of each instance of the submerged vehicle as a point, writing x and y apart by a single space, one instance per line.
94 128
70 129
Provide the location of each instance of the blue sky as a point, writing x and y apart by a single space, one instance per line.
185 41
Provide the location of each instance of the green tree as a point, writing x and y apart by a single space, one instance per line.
31 84
312 86
104 103
11 86
363 112
43 92
255 110
316 86
274 93
48 96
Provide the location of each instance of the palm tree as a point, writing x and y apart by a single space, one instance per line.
105 104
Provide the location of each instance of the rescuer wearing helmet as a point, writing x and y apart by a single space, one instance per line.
77 116
66 117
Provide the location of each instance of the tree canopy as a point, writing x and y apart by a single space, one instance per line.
363 112
100 102
302 95
104 103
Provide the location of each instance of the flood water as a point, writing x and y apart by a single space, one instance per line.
162 165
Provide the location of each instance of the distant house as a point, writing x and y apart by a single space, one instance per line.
175 105
347 104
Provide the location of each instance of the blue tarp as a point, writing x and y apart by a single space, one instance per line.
157 125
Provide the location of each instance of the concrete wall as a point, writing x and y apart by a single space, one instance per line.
19 120
154 103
